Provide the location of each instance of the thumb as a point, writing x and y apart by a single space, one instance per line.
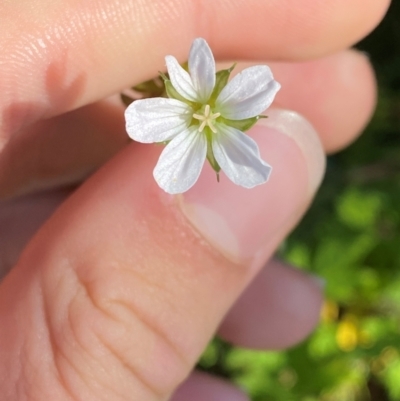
118 294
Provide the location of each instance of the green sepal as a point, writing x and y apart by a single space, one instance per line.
185 66
221 79
172 93
213 163
148 89
210 154
241 125
163 76
211 159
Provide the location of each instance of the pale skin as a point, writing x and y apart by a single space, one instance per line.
119 292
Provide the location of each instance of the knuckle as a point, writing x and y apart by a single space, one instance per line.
105 334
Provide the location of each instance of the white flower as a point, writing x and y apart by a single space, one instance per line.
204 117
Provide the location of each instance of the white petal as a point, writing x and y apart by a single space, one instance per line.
202 69
248 94
239 157
181 79
156 119
181 161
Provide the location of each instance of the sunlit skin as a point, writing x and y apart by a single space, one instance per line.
123 286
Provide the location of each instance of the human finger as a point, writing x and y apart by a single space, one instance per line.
278 309
336 94
202 386
78 53
124 285
20 219
62 150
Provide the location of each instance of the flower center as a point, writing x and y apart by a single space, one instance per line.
207 119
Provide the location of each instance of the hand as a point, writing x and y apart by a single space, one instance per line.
119 292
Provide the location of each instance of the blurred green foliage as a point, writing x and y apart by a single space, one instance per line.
351 237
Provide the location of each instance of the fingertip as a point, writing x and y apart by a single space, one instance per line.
337 94
201 386
279 309
359 95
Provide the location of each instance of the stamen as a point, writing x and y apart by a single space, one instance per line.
207 119
212 128
202 126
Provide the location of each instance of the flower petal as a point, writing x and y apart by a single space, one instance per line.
156 119
239 157
202 69
181 79
181 161
248 94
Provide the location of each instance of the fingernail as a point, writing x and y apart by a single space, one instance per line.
303 133
240 222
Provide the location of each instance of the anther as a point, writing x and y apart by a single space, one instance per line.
207 119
